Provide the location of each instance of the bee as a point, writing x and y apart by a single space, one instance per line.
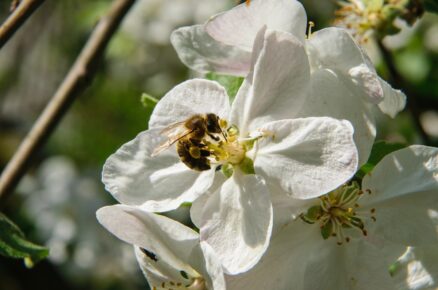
190 135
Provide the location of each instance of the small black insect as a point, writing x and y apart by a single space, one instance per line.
149 254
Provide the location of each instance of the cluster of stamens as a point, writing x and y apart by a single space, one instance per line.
365 18
338 211
226 148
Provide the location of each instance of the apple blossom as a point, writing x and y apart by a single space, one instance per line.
169 253
259 150
305 157
349 238
343 81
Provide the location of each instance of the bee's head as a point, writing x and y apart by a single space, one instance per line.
213 123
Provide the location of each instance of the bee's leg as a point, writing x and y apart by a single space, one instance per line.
205 153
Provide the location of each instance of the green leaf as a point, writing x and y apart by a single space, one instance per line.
431 5
230 83
13 244
380 149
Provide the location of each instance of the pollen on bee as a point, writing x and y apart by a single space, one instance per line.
195 152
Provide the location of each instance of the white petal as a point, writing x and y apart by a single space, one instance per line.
418 269
205 259
332 98
278 85
168 242
239 26
306 157
238 222
394 100
198 205
286 208
367 266
159 183
409 170
200 52
189 98
159 272
408 219
404 192
335 49
284 263
299 256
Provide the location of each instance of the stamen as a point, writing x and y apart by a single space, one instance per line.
338 211
309 30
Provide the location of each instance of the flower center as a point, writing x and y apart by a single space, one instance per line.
339 211
211 141
226 149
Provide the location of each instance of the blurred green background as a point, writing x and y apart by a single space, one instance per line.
55 203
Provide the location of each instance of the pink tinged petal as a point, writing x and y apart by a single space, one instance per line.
330 97
200 52
306 157
335 49
239 26
167 242
278 84
189 98
159 183
394 100
238 222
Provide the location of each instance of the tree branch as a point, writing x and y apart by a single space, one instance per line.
78 78
398 80
19 15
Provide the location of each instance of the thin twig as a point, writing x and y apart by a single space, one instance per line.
78 78
19 15
399 81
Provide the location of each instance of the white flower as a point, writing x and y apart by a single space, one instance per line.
169 253
305 157
350 238
344 84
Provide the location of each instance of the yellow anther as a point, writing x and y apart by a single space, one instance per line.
309 30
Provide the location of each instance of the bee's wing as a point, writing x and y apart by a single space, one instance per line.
174 132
